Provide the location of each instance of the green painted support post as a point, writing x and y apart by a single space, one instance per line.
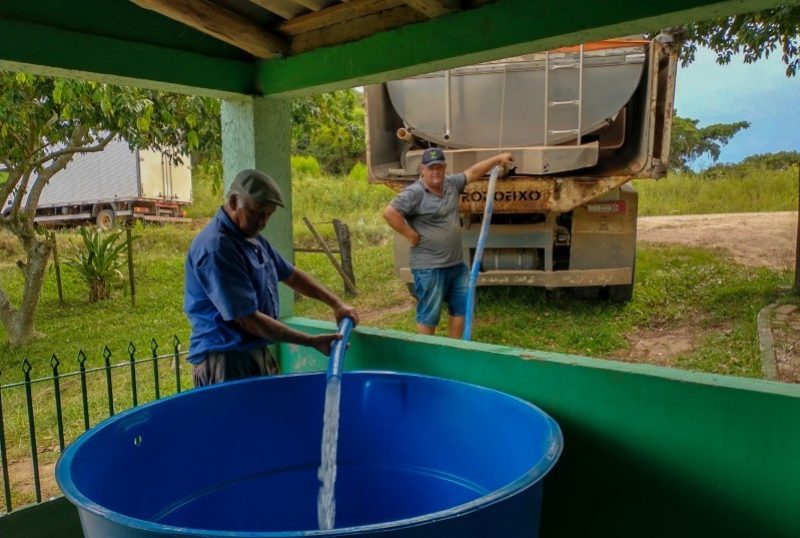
256 133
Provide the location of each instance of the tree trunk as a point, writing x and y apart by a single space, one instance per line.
19 322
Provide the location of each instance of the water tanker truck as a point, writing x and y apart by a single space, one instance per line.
580 121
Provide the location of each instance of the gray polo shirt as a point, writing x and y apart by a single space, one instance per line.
436 219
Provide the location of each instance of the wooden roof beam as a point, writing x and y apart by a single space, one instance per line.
343 32
316 5
221 24
338 14
286 9
433 8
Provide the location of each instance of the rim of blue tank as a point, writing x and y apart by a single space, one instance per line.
533 475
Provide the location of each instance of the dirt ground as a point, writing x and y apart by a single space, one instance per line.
752 239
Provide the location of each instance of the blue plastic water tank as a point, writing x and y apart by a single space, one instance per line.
418 457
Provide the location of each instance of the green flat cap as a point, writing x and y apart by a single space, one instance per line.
258 186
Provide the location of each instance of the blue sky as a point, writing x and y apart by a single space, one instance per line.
759 93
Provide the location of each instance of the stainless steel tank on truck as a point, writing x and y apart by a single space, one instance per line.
580 121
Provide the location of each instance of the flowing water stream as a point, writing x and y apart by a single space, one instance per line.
326 501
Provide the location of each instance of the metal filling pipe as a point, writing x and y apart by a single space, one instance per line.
405 135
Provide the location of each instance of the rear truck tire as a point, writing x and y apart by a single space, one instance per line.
620 294
586 293
624 292
106 219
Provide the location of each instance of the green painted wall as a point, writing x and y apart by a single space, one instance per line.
119 18
50 519
649 451
256 133
124 46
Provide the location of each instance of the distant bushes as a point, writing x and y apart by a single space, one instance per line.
759 183
349 198
305 166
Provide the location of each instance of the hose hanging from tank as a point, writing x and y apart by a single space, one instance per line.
476 261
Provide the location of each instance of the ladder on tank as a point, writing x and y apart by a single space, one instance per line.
577 102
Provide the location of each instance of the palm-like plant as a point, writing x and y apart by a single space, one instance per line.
101 261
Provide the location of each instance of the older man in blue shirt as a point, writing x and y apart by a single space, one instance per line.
231 294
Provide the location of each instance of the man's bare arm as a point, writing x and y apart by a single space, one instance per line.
481 168
303 283
399 224
262 326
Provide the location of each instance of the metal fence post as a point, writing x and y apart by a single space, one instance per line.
4 457
84 392
26 369
54 362
132 361
154 350
176 346
109 382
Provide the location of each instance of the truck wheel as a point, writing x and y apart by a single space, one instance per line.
106 219
624 292
620 294
586 293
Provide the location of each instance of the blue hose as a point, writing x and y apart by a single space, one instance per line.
476 261
339 347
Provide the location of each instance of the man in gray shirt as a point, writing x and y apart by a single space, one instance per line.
426 213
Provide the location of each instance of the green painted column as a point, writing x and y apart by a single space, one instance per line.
256 133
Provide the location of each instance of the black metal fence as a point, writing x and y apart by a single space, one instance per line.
61 406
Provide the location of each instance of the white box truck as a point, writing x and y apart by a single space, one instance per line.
116 184
581 122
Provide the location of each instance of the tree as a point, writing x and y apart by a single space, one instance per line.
46 122
690 141
780 160
755 35
329 127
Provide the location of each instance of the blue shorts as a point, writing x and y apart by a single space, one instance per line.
438 285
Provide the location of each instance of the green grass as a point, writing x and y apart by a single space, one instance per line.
207 195
350 199
676 287
745 190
